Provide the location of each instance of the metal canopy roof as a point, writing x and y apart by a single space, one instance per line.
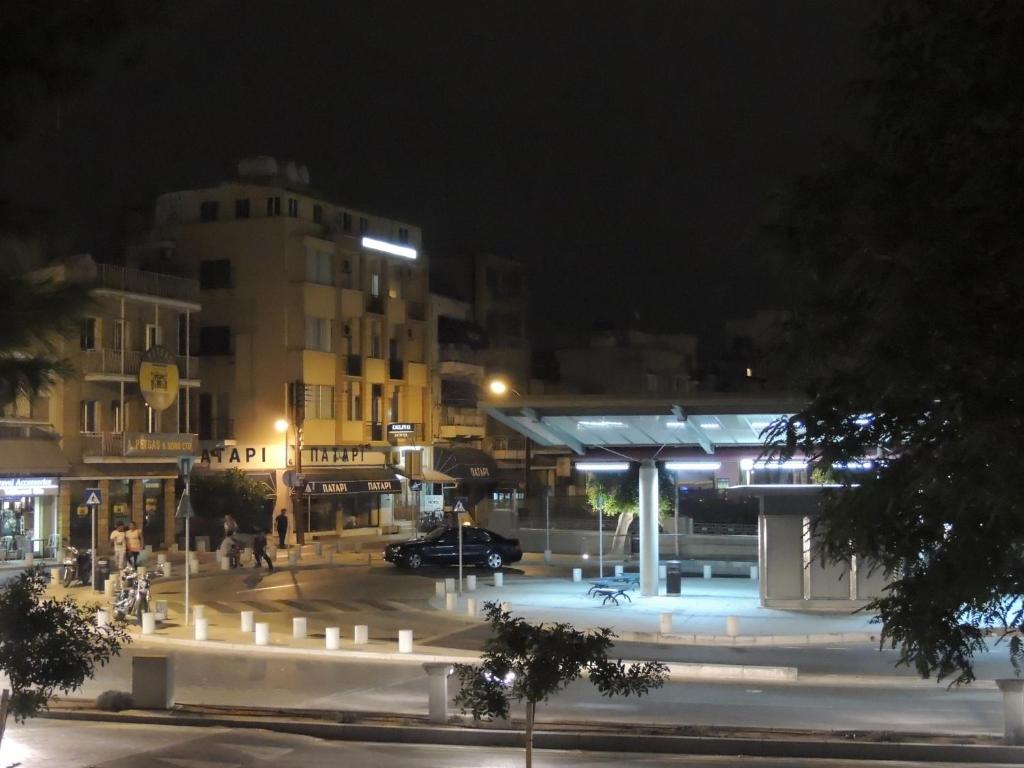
584 422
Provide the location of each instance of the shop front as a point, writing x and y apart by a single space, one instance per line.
347 501
28 517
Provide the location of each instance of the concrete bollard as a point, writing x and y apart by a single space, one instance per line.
332 638
29 558
148 623
450 601
202 543
618 570
437 686
247 556
753 573
293 557
547 557
108 589
261 635
732 626
152 682
577 574
449 585
55 575
707 571
248 620
161 610
298 628
102 618
1013 709
166 567
202 629
329 556
193 566
148 549
471 583
360 634
161 558
665 624
471 606
338 547
405 641
318 548
662 572
499 579
225 564
198 612
173 547
439 589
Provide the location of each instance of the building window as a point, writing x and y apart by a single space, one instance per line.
393 405
214 274
318 334
377 396
346 221
215 340
403 235
87 333
183 327
89 423
115 416
355 401
375 284
208 210
318 214
293 207
750 373
320 267
154 335
375 339
242 208
273 206
117 336
364 225
152 420
319 401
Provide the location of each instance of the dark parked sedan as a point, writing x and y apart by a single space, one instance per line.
441 547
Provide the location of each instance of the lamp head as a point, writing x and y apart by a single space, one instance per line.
281 425
497 386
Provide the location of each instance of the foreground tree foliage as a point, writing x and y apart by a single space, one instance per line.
47 645
216 494
907 280
532 662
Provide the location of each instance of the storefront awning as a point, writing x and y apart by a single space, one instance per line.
21 457
468 465
428 475
342 482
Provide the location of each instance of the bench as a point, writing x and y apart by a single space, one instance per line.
623 582
610 593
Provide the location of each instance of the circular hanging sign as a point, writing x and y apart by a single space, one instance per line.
158 378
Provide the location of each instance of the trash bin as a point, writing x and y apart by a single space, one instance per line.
673 580
102 573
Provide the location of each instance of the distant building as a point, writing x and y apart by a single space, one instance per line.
739 360
629 363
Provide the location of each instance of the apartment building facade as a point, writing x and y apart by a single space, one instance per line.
308 293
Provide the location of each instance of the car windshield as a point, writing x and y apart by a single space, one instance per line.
435 534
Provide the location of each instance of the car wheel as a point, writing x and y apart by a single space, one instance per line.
413 561
494 560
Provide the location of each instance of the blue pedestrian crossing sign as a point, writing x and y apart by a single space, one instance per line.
92 497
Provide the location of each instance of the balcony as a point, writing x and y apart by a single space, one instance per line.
136 281
460 422
506 448
396 369
375 304
135 446
101 363
353 365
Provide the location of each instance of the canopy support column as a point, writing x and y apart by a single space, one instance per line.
648 528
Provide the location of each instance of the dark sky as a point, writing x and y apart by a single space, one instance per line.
625 151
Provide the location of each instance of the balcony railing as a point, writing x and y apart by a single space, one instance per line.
458 353
106 360
13 428
102 443
462 417
117 278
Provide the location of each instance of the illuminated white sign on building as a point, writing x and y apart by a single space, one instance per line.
384 246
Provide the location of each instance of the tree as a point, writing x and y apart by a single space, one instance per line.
532 662
619 492
904 255
47 645
232 492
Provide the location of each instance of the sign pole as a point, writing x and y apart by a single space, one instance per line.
92 507
188 557
459 522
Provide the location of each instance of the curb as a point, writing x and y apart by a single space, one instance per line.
454 735
821 638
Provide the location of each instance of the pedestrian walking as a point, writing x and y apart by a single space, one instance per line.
119 541
133 543
282 528
259 550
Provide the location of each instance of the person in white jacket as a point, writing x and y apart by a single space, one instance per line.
119 541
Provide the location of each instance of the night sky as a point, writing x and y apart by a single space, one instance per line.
626 152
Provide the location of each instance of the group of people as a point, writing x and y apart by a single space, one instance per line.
127 543
259 541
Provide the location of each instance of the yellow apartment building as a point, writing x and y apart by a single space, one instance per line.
299 290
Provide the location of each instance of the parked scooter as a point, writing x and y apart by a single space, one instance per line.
77 566
133 599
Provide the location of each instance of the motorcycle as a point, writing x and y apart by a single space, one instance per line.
133 598
77 566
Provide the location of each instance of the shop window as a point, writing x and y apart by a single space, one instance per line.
242 208
87 333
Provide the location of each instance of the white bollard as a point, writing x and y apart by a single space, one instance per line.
753 573
332 638
439 590
262 634
108 589
662 572
438 690
618 570
732 626
173 547
329 556
449 585
318 548
499 579
225 564
577 574
102 618
148 623
471 606
166 567
298 627
29 558
202 629
193 566
149 549
360 634
248 620
450 601
55 575
547 557
198 612
405 641
161 610
161 558
471 583
1013 709
293 557
665 624
707 571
